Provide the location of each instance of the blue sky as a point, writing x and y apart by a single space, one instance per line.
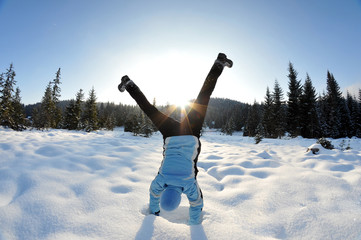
168 47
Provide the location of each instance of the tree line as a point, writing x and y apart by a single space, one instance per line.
304 113
301 113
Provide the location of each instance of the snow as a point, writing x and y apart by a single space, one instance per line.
74 185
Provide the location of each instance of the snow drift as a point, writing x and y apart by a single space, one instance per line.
73 185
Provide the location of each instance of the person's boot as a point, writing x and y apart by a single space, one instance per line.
124 83
224 61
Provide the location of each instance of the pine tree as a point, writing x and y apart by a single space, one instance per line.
7 82
134 123
49 114
110 122
107 116
101 116
56 88
78 109
267 120
293 103
253 120
36 117
90 113
358 118
69 116
333 111
309 122
229 127
73 113
18 115
47 110
352 107
322 109
278 111
259 133
55 98
345 113
147 127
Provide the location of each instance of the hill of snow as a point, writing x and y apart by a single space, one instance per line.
74 185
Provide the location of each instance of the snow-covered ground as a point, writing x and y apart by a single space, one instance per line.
74 185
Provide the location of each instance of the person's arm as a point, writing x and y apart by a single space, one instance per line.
155 191
195 198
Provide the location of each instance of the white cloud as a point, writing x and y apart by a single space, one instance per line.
353 89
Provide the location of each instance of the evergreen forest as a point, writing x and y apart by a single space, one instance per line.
296 111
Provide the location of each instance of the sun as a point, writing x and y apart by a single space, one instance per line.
172 77
181 103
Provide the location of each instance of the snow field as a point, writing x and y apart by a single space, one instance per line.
73 185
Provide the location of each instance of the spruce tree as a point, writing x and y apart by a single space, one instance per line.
73 113
278 112
55 98
322 112
267 120
49 114
78 109
229 127
69 116
333 111
101 115
259 133
56 88
90 113
352 107
47 110
107 116
309 122
147 127
7 82
253 120
358 118
134 122
293 103
19 113
346 130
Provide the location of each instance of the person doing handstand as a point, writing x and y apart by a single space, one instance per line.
181 146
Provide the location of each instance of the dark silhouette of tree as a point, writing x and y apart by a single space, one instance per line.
253 120
220 110
7 83
278 111
107 116
358 118
11 110
55 98
347 123
229 127
259 133
293 103
309 122
267 120
73 113
48 114
19 113
91 113
329 115
333 100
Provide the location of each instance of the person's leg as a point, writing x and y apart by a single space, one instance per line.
166 125
197 113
